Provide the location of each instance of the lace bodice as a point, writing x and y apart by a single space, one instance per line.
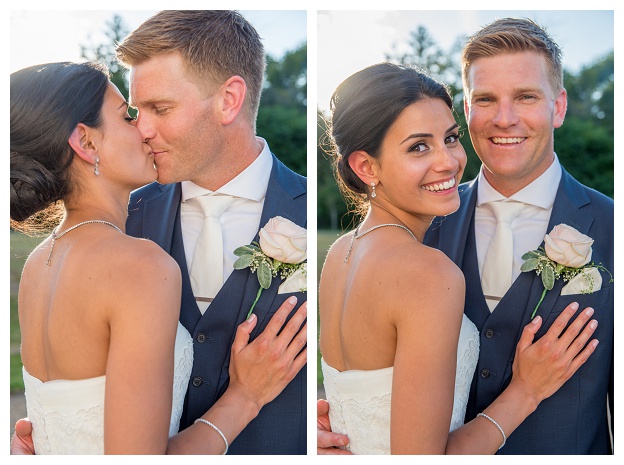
68 415
359 400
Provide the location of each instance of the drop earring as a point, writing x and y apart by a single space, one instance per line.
373 194
97 170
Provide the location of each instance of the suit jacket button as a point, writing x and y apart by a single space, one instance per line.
489 333
197 381
201 338
484 373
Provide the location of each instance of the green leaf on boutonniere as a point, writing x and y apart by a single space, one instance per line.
548 277
532 254
243 261
246 250
530 263
264 275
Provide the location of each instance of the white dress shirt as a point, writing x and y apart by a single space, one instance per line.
241 221
529 227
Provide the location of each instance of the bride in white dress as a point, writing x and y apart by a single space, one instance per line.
398 353
99 309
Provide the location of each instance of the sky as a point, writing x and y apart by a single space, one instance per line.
349 41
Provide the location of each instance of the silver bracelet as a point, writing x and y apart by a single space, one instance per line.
201 420
497 425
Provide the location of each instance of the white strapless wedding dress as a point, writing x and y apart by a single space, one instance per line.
68 415
359 400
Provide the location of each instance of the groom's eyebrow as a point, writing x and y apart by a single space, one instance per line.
424 134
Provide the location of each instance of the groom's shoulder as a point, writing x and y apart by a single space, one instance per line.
597 200
149 192
288 175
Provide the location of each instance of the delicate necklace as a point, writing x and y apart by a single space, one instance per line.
58 236
356 235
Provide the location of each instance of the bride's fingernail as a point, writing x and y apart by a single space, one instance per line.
251 317
574 306
536 320
292 300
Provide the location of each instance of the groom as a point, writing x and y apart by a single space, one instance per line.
196 78
514 99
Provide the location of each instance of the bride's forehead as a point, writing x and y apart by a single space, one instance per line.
113 96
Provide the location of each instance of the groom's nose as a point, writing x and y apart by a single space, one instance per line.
147 130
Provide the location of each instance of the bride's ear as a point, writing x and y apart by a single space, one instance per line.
81 141
364 166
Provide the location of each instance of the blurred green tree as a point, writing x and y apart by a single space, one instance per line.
282 118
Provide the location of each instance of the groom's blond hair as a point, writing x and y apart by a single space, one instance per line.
214 44
512 35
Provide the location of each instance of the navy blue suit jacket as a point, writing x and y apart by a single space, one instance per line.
280 428
574 419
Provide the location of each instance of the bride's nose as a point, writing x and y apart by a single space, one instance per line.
445 160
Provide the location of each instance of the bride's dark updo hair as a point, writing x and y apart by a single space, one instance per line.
363 108
47 102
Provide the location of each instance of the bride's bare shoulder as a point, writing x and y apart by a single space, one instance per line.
138 269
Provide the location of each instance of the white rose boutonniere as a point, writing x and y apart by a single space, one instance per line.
567 254
282 250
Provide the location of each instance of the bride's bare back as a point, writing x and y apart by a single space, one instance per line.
389 279
98 278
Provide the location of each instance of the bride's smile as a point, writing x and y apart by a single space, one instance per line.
421 161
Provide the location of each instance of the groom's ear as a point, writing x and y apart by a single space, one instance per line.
364 166
233 93
82 142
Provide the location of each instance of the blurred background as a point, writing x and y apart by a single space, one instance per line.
351 40
38 36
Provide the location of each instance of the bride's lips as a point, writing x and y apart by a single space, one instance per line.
442 186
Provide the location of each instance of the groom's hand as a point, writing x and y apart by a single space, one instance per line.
22 442
326 441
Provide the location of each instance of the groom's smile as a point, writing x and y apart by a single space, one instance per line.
507 140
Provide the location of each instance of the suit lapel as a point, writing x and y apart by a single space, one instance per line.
160 214
283 198
566 210
454 235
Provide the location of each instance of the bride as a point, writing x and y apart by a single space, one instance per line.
398 354
98 309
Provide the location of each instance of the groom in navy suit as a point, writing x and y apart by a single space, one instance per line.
514 99
196 78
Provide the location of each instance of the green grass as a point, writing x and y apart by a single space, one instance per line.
21 246
324 240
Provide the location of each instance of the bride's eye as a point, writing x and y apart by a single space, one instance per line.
452 138
418 147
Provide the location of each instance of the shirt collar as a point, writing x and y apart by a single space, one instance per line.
540 193
250 184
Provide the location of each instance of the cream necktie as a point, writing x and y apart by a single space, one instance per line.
207 267
497 267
